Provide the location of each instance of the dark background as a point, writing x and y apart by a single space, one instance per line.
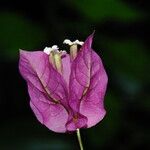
121 39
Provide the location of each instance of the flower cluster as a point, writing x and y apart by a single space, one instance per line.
66 90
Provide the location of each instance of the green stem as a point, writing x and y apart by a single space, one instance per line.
79 139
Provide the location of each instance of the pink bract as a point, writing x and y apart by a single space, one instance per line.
71 100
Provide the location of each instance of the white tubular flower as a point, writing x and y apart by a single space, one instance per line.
68 42
55 47
48 50
76 42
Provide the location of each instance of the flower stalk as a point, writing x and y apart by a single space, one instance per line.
79 139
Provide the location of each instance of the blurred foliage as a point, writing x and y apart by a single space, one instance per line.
17 32
99 10
126 53
122 41
38 139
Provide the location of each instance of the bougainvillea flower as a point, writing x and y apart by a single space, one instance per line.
66 90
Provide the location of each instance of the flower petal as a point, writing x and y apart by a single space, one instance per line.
91 104
47 90
53 116
35 68
88 83
76 123
80 74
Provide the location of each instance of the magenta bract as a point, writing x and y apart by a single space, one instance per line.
69 100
